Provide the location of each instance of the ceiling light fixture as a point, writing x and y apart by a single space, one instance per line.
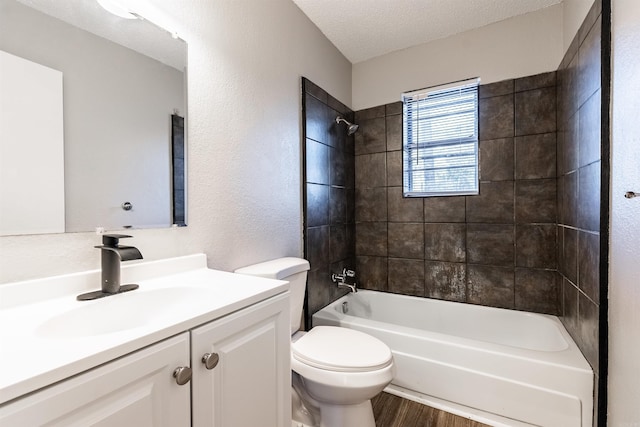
116 9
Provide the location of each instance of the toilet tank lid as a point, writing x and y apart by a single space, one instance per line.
277 268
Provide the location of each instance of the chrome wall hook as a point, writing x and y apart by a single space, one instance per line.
631 194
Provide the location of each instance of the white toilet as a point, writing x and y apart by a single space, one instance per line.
336 371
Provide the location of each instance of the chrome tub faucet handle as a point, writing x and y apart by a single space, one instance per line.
341 279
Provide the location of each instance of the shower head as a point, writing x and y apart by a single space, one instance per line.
351 128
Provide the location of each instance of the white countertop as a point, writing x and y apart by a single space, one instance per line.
35 350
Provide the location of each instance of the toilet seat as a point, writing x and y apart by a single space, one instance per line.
339 349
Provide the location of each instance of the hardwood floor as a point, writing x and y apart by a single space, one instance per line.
394 411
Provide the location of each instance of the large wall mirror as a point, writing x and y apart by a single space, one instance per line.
92 131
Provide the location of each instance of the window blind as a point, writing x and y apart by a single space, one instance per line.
440 140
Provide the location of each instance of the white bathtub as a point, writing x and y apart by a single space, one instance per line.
498 366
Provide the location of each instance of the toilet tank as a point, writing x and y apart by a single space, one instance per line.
293 270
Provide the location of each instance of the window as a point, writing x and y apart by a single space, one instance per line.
440 142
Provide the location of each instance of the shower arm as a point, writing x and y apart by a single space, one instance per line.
351 127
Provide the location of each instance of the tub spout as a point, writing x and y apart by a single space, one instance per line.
351 286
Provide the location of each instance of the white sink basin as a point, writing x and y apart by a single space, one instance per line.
120 312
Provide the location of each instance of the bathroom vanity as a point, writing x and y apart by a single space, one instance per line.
192 346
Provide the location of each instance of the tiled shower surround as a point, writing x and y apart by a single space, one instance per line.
497 248
580 141
329 223
529 241
579 183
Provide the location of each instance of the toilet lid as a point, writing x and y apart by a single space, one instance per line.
341 349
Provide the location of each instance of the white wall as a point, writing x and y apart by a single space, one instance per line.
624 273
516 47
244 146
573 14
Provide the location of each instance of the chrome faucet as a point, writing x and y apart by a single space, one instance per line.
111 256
341 279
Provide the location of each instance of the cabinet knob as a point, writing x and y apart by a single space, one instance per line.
210 360
182 375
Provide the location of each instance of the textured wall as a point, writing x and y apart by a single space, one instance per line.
243 139
517 47
497 248
329 222
624 289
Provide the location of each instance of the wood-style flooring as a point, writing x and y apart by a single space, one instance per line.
394 411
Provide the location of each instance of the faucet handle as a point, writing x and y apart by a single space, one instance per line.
349 273
111 240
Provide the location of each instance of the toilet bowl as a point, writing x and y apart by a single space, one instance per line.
336 371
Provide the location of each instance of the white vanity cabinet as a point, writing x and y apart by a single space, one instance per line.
241 368
248 386
135 390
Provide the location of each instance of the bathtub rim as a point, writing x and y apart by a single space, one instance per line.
570 357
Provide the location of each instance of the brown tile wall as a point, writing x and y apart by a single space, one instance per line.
579 185
329 222
497 248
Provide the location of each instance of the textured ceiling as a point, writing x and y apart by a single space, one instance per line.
364 29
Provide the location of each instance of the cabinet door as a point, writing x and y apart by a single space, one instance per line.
136 390
251 384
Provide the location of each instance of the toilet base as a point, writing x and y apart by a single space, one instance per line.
303 411
360 415
308 412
